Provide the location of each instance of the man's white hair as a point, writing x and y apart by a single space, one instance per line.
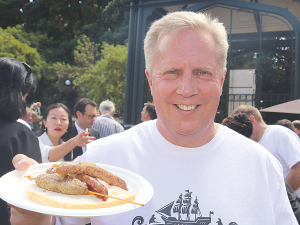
176 22
107 106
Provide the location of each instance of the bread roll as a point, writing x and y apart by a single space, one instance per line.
58 200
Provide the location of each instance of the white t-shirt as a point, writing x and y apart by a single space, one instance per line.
232 176
45 146
284 144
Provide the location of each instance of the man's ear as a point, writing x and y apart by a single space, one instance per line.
252 118
147 115
78 114
222 82
149 78
113 113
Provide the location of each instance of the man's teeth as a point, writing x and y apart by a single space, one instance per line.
187 107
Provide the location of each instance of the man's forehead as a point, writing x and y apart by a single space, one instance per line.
171 39
90 107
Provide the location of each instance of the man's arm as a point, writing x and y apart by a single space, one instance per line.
24 217
293 179
21 216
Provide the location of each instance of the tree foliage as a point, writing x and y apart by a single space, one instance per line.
107 78
20 49
86 55
61 40
274 70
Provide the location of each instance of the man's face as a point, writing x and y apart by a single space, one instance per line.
186 85
144 115
86 119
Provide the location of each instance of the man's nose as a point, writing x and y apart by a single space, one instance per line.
187 86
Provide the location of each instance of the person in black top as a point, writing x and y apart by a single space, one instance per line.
16 81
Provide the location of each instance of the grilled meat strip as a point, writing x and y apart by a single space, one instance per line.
94 185
90 169
61 184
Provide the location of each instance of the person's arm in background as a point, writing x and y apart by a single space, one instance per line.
24 217
57 152
293 179
289 149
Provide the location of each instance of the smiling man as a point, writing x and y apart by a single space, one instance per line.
201 172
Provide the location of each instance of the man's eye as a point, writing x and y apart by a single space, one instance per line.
202 73
172 72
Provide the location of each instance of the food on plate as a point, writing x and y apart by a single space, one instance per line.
90 169
78 190
61 184
94 185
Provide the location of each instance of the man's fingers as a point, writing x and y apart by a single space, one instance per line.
90 138
22 162
83 133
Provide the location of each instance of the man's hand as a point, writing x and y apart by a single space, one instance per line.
21 216
83 139
22 162
24 217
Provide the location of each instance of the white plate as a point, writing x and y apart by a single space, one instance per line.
13 183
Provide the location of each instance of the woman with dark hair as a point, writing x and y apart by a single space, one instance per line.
240 123
16 81
55 137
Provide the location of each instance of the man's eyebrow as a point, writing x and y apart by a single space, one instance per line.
206 68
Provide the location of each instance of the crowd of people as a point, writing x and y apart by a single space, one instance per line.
50 136
242 171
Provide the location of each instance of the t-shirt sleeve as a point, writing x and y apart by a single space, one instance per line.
289 147
283 212
45 149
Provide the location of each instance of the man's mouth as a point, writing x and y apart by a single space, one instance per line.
187 107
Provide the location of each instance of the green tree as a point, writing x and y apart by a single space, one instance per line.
274 70
116 18
20 50
85 56
107 79
11 13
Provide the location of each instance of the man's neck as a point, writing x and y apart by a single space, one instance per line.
189 141
80 125
258 131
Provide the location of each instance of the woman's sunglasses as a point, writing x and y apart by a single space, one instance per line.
27 67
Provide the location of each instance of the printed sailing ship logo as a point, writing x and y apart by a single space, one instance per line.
187 213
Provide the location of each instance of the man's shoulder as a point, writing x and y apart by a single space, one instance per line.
74 130
233 139
106 120
278 130
7 126
15 131
94 132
